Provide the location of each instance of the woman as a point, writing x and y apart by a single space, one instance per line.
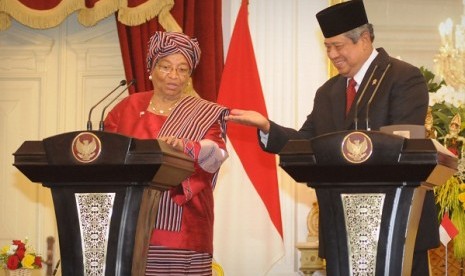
182 239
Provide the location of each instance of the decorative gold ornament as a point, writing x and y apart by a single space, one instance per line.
86 147
429 124
356 147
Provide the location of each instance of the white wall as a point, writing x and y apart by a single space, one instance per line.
409 29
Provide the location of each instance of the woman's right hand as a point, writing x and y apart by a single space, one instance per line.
249 118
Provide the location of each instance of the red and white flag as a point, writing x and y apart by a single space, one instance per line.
447 230
248 236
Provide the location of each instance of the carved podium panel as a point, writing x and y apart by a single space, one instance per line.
370 188
105 190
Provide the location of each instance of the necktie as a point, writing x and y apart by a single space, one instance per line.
350 94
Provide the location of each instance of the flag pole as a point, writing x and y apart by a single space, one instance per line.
461 267
446 260
447 232
447 268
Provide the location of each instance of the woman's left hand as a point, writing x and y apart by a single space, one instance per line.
176 143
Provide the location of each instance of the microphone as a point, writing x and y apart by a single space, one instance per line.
89 122
373 95
361 96
101 127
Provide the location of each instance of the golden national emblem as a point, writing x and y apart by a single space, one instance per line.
86 147
356 147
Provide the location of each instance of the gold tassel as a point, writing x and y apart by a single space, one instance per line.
39 19
102 9
144 12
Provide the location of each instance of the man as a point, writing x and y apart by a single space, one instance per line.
387 92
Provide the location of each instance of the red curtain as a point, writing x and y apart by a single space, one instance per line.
200 19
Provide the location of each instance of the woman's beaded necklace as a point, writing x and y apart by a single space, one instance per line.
163 111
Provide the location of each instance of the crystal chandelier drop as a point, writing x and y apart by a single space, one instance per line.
451 58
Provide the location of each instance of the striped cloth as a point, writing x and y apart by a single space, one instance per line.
191 119
164 261
163 44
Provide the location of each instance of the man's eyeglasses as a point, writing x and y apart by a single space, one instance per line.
182 71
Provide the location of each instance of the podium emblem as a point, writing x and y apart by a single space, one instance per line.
357 147
86 147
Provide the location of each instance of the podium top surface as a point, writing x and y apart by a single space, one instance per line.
367 156
97 156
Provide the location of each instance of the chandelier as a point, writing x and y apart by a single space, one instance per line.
451 58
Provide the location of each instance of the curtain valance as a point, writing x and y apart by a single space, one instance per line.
43 14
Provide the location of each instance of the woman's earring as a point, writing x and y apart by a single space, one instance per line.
150 77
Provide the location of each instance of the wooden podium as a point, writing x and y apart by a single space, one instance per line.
105 190
370 188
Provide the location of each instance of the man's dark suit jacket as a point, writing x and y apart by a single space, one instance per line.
401 98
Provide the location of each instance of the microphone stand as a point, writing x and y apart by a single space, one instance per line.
361 96
101 124
373 95
89 122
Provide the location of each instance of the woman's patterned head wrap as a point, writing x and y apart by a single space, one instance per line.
163 44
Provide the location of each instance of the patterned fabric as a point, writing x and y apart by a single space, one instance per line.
163 44
164 261
191 119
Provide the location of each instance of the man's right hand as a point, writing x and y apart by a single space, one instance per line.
249 118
